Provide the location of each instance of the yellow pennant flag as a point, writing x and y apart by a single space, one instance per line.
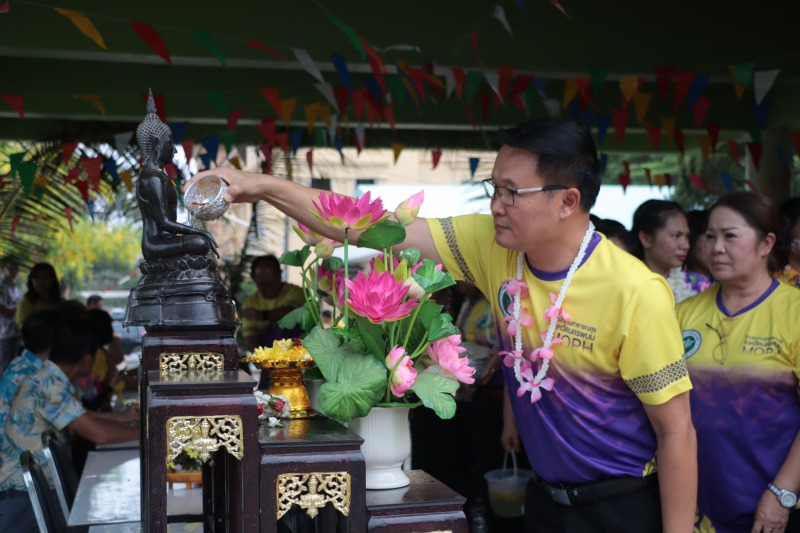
84 24
641 101
660 180
669 128
570 90
126 178
236 162
94 100
40 181
289 169
738 89
325 114
705 146
287 109
312 112
397 148
629 85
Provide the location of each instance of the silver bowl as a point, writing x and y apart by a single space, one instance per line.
204 199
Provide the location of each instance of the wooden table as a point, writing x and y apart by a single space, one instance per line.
109 492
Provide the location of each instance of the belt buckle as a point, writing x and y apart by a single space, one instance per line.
559 495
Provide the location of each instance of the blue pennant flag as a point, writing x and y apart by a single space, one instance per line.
574 109
206 159
110 166
341 69
727 180
603 122
521 6
473 165
539 84
603 164
762 112
337 143
372 84
211 144
781 153
587 119
296 139
90 209
696 90
178 129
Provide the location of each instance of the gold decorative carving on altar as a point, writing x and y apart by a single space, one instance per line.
204 435
177 363
312 491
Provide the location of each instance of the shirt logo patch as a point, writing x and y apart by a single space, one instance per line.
691 342
505 300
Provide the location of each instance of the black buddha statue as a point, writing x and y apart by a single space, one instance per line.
180 286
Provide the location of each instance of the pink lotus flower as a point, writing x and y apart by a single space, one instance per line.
407 211
379 297
332 283
348 213
445 353
307 235
404 375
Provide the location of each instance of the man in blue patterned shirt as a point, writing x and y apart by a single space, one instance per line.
46 400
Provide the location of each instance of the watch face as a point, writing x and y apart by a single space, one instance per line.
788 500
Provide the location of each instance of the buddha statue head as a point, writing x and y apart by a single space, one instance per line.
154 136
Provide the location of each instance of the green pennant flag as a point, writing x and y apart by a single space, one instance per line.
396 88
207 40
228 138
14 160
532 96
744 74
27 175
598 76
322 137
474 80
218 101
349 32
755 134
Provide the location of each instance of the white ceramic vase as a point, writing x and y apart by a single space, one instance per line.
387 444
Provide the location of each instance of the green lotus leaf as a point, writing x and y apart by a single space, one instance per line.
436 392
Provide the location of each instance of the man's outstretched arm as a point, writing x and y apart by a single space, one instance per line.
294 200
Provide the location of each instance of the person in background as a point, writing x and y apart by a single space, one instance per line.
790 226
616 233
44 292
46 400
9 298
95 301
37 335
696 260
742 348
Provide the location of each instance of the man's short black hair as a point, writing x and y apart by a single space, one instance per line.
264 260
94 298
39 329
74 340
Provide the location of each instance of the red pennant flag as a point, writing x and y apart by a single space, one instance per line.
484 106
188 148
171 170
267 130
273 97
436 155
471 118
653 135
267 166
233 118
371 112
92 166
585 91
461 80
283 141
149 35
14 224
473 38
713 132
342 95
67 149
679 140
158 98
359 99
261 46
733 148
372 54
72 175
310 160
755 153
624 180
505 75
83 187
558 6
664 77
620 121
700 183
669 179
627 166
5 8
700 109
796 141
751 185
68 214
15 101
388 114
683 82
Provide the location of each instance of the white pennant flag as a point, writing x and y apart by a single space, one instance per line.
360 135
327 92
332 127
121 141
500 14
450 81
552 106
242 149
493 79
762 82
307 63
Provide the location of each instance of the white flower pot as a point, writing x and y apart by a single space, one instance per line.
387 444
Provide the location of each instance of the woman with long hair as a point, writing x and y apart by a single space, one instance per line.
44 292
741 344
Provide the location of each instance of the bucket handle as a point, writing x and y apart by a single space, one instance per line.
513 461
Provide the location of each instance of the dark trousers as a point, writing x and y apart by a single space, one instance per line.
635 512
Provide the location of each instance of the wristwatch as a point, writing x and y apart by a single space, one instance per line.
787 498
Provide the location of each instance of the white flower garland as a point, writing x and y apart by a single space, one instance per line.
528 383
681 288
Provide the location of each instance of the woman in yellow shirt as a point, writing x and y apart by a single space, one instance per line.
44 292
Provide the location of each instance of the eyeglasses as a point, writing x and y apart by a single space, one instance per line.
720 353
507 195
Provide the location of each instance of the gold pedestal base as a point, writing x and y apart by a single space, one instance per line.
288 382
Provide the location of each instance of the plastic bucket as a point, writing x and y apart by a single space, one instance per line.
507 488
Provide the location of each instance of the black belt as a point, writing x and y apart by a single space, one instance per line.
582 494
